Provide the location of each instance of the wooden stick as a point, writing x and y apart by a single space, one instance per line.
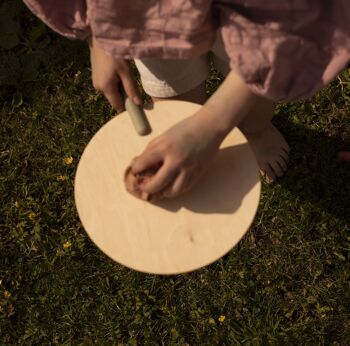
138 118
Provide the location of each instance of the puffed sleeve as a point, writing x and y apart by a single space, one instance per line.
67 17
286 50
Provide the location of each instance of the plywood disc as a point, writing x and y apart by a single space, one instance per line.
172 236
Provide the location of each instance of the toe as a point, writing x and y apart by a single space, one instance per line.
268 174
277 169
283 163
284 156
286 150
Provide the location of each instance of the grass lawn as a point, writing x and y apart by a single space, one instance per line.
286 283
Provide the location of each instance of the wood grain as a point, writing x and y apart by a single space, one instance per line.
172 236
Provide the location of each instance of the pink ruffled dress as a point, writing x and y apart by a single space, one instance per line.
283 50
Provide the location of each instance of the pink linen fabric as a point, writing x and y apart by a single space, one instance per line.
283 50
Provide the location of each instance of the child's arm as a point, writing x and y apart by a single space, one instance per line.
228 105
186 149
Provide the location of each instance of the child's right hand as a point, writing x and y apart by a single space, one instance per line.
107 72
178 158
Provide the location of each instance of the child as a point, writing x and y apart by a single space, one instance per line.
268 50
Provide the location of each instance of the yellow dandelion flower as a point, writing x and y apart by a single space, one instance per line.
7 294
68 160
62 177
67 245
221 319
32 216
211 320
17 204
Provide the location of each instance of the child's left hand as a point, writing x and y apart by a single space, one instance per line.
184 152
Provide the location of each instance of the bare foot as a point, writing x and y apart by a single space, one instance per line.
271 151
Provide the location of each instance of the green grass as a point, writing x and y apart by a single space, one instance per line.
286 283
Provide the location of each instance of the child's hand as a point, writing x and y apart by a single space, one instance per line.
107 72
184 152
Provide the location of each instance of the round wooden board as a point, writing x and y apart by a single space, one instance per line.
172 236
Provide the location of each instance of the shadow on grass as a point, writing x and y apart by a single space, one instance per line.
316 174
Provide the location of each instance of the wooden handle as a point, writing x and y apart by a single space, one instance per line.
138 118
